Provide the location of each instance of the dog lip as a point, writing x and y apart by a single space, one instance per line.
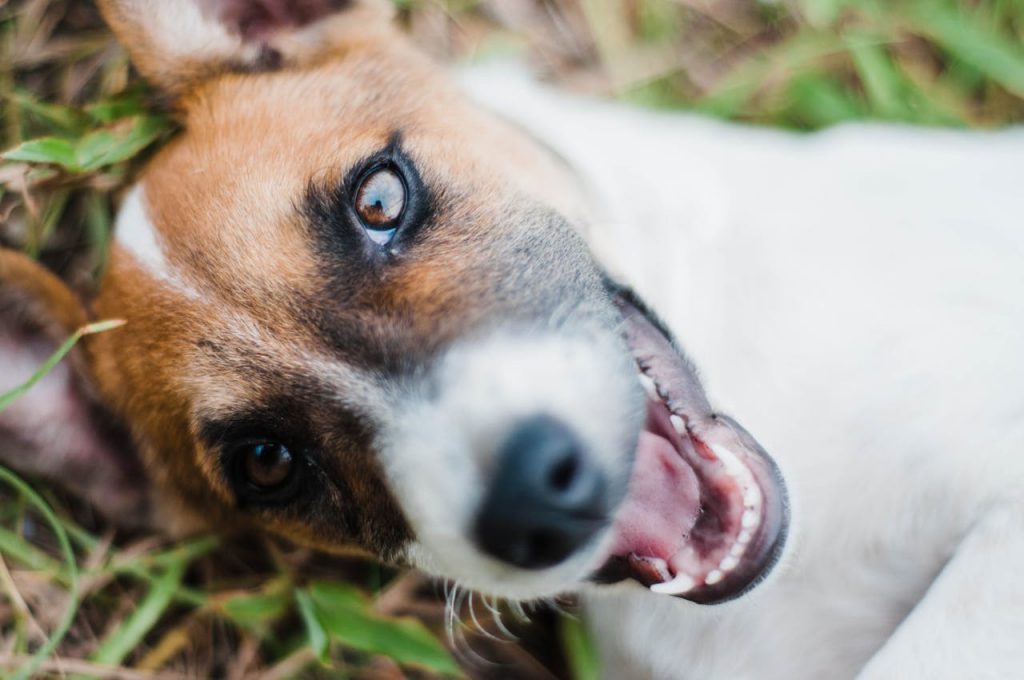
719 560
740 529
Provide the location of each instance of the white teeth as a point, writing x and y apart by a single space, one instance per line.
660 565
732 464
752 496
677 423
649 387
681 584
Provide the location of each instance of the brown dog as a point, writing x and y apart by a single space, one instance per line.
361 311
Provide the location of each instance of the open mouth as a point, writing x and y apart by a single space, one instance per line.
706 513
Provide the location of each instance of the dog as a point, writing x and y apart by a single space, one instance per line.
856 294
364 310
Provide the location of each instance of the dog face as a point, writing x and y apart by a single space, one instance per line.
361 312
303 321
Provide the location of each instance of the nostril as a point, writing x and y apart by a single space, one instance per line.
547 497
563 474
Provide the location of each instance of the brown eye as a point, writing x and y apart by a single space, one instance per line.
268 465
380 200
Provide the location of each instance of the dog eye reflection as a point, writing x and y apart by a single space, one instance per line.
268 465
380 202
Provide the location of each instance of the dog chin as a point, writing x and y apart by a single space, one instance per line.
470 569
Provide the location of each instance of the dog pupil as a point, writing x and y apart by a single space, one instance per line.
268 465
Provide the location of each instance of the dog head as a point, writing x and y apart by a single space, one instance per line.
362 312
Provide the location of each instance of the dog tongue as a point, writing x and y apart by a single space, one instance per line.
662 504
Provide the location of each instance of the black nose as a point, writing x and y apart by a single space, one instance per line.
546 499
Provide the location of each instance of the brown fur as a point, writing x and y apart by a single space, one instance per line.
228 196
38 297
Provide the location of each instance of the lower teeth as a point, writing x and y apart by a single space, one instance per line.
680 585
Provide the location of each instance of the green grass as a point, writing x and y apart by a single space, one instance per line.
815 63
80 599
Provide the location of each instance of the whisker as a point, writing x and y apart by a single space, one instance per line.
561 608
517 608
476 621
460 603
449 612
462 647
496 614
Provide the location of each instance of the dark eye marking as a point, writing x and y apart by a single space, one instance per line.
374 213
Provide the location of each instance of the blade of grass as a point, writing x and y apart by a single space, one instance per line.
80 536
127 637
941 99
314 629
44 150
8 398
780 63
816 100
186 551
123 106
822 13
46 225
186 596
19 608
14 546
59 668
59 118
347 616
987 51
29 669
118 142
98 222
579 649
256 611
882 83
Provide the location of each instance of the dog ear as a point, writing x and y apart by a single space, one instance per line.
175 43
57 429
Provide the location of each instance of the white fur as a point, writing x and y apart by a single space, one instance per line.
856 299
179 31
136 234
444 438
